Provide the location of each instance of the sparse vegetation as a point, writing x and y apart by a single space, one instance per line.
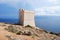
15 30
19 33
34 35
52 33
12 29
6 28
27 33
45 31
28 26
55 33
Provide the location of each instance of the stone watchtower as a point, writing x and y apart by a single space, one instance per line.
26 18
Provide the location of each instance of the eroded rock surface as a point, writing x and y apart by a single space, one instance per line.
17 32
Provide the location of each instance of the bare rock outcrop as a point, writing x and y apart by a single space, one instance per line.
17 32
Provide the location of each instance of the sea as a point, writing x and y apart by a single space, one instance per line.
48 23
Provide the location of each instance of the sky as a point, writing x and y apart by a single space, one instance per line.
10 8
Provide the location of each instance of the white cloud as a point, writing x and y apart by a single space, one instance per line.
51 10
52 0
33 3
15 3
48 11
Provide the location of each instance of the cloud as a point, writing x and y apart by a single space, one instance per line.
41 7
54 1
52 11
15 3
33 3
18 3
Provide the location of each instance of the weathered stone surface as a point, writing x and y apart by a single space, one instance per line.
27 33
26 17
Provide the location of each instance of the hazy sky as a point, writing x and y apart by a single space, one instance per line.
9 8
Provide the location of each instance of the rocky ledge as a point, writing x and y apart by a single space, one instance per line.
17 32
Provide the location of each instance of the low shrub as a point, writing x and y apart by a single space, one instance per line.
19 33
57 34
28 26
45 31
12 29
52 33
27 33
6 28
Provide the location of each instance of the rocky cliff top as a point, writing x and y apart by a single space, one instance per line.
17 32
